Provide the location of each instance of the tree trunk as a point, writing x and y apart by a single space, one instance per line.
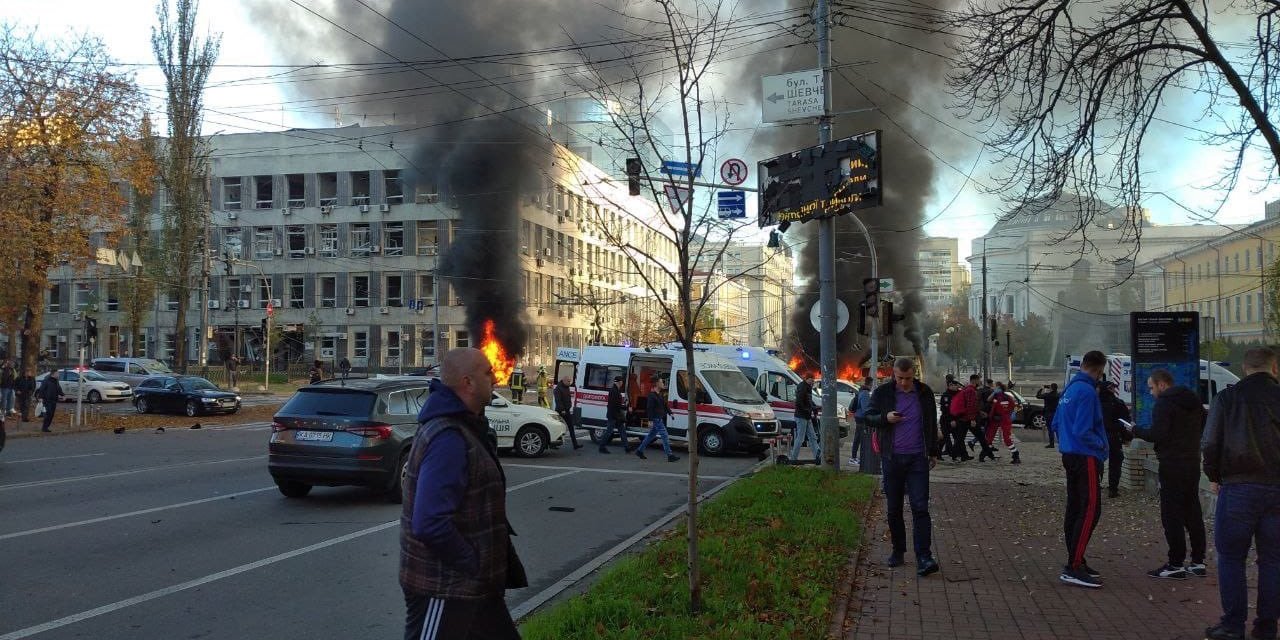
180 329
31 338
695 575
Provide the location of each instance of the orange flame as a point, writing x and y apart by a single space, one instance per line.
502 363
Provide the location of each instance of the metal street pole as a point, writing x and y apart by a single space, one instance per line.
435 318
986 339
826 264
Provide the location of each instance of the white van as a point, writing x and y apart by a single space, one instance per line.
1213 376
731 415
775 380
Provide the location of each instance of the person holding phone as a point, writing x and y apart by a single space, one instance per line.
1177 422
1116 419
906 424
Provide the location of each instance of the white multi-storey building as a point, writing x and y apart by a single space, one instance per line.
342 237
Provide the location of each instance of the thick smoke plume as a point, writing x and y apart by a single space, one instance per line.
878 66
485 182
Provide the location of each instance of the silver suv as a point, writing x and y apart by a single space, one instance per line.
129 370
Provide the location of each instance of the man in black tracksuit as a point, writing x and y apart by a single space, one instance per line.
1177 422
616 417
1050 396
1113 411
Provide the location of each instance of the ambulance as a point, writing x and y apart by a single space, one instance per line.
1214 377
731 415
775 380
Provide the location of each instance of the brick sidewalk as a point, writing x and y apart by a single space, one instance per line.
999 542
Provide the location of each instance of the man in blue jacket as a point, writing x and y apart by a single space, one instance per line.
456 556
1082 440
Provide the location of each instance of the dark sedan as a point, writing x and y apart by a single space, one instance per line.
1030 412
191 395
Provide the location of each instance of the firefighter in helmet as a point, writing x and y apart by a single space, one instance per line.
517 385
542 384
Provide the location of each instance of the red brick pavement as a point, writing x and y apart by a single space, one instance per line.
1000 547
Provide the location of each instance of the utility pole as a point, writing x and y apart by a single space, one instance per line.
435 317
1008 346
986 338
205 261
826 263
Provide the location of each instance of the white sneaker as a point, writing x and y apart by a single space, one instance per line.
1196 569
854 461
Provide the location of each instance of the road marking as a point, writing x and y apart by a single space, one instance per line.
96 476
668 474
214 577
528 606
83 455
178 505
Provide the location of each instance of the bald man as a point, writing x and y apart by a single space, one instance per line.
456 556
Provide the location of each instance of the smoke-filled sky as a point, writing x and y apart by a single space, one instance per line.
254 98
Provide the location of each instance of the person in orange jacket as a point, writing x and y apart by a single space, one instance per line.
1001 420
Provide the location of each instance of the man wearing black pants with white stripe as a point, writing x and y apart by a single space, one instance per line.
1082 439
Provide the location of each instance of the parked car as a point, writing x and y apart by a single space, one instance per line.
1030 411
131 371
191 395
96 387
524 429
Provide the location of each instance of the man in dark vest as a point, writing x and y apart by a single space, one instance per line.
456 556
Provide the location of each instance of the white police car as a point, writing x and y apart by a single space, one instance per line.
527 430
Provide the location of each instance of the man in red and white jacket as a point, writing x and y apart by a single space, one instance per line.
1001 421
966 407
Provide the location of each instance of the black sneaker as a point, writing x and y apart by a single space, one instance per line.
1169 571
1196 569
1079 578
603 450
1113 493
1219 632
640 454
1090 571
894 559
672 458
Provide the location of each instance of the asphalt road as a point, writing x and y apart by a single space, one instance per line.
183 535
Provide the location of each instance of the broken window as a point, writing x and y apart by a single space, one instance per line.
262 192
394 296
361 242
297 298
297 237
329 240
392 186
297 198
328 183
231 194
393 239
359 291
359 187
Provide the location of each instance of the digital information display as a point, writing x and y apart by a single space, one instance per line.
821 182
1163 340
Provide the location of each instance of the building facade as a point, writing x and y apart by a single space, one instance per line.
1225 279
766 274
943 274
1035 263
338 235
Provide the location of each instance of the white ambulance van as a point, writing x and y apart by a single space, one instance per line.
1213 376
775 380
731 415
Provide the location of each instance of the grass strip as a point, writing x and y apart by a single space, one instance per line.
772 547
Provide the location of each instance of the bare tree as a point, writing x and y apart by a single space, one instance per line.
1072 90
184 169
693 37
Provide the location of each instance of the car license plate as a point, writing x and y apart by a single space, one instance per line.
317 436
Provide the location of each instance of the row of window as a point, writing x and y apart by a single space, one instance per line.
1235 309
1231 264
259 192
300 241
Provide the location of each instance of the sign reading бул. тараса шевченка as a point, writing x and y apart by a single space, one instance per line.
824 181
1168 340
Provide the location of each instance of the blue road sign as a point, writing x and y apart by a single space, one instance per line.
674 168
731 205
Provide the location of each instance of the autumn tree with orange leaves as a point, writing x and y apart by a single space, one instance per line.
69 156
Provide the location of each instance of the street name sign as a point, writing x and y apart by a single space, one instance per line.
792 96
671 167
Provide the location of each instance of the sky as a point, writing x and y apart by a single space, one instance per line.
242 97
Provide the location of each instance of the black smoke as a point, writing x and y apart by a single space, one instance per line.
880 65
485 183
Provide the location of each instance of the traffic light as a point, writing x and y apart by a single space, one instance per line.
889 317
91 328
871 291
634 169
